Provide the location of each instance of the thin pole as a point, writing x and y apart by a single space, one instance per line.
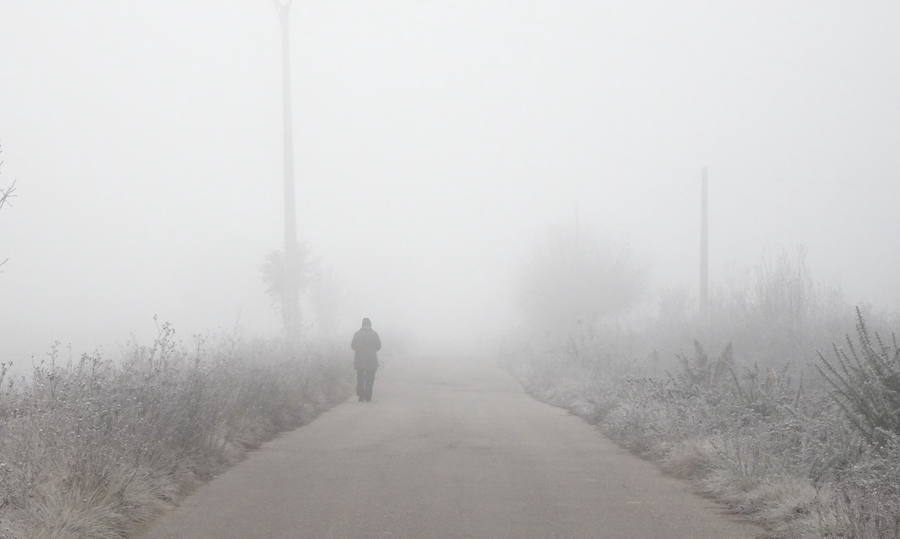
291 300
704 245
577 227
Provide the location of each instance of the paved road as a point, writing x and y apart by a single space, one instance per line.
460 452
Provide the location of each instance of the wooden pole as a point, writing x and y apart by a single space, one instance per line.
291 300
704 245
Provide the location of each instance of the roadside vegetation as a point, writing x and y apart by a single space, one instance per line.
91 447
782 403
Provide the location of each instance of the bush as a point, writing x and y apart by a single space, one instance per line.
866 382
91 447
754 437
755 426
864 500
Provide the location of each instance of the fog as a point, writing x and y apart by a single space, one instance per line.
434 141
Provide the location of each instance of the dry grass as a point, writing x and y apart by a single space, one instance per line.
786 457
92 447
753 425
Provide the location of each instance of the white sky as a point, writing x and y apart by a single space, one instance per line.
433 139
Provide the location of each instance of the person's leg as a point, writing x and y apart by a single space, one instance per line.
364 392
361 383
370 384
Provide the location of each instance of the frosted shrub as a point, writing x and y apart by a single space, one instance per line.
866 381
91 447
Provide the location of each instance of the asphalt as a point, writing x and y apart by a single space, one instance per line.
445 450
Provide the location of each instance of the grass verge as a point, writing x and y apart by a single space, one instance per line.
95 448
800 459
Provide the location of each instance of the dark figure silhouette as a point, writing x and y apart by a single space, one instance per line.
366 344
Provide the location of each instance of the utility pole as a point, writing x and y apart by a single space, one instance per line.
577 227
291 301
704 246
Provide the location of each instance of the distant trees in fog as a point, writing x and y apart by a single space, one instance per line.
325 297
318 285
577 278
278 277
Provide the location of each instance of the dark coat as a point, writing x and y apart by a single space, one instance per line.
366 344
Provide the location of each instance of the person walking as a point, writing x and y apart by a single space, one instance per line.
366 345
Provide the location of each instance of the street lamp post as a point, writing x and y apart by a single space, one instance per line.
291 299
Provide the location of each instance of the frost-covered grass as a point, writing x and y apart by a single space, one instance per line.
93 447
787 412
770 445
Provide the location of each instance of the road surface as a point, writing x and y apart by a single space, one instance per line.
449 452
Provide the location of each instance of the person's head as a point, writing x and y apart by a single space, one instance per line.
366 323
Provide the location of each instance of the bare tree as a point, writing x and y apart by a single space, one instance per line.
7 194
280 272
